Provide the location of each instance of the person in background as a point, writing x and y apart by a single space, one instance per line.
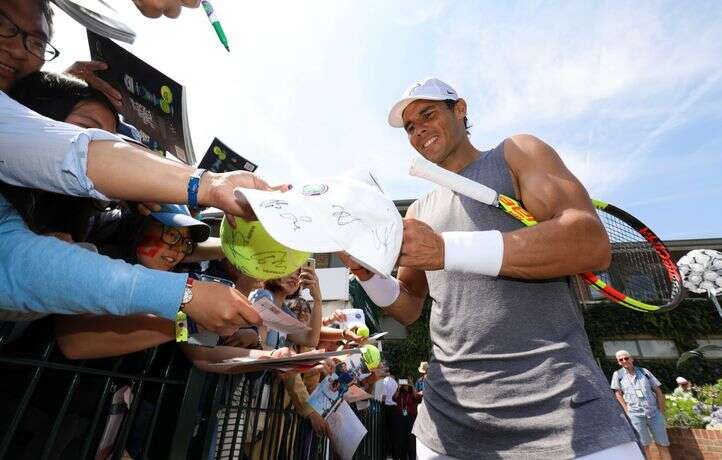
283 291
684 388
639 393
419 385
389 386
404 442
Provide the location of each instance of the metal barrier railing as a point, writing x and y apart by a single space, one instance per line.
252 418
54 408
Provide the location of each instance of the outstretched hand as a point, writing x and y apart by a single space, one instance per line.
217 190
220 308
168 8
85 70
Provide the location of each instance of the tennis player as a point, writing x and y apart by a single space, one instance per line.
512 374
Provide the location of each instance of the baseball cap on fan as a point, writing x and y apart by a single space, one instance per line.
431 89
332 214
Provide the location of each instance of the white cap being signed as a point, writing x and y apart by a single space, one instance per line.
431 89
329 215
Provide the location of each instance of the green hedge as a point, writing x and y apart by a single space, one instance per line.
404 356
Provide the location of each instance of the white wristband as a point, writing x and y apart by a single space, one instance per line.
382 291
473 252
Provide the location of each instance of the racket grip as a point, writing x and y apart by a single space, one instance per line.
423 168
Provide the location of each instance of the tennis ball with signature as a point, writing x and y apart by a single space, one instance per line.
371 356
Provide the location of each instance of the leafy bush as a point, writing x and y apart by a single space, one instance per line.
699 409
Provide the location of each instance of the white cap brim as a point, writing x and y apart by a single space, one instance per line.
396 119
347 215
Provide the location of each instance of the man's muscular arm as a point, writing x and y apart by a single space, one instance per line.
568 239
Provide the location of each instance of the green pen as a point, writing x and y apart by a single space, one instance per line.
216 23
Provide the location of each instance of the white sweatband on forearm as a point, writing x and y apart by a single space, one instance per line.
473 252
382 291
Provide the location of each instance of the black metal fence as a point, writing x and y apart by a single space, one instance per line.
151 404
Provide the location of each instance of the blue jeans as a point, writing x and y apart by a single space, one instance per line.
643 425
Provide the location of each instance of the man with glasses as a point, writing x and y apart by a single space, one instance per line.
31 22
637 390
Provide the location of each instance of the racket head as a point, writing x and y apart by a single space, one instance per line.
642 275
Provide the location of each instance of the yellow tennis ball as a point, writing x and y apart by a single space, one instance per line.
362 331
253 251
371 355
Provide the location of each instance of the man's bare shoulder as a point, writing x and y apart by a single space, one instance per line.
524 152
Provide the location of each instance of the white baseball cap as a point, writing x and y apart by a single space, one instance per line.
681 380
431 89
332 214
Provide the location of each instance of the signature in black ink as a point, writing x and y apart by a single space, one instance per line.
343 217
296 219
277 259
275 204
383 236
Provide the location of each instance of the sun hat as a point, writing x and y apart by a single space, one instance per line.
431 89
177 215
332 214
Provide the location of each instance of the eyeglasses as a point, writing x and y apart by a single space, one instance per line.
37 46
626 358
172 236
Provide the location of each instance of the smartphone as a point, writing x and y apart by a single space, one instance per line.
310 263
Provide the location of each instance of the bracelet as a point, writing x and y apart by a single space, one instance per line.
194 183
473 252
181 326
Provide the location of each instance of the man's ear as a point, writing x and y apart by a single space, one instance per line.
460 109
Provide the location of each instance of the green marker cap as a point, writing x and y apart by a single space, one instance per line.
251 250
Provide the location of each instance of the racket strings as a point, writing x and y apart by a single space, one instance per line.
636 268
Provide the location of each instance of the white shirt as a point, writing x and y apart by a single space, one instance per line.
390 387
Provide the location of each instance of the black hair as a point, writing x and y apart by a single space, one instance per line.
450 103
118 232
54 96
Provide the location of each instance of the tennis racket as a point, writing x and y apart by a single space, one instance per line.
642 275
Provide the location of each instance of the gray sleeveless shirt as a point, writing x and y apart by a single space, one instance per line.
512 374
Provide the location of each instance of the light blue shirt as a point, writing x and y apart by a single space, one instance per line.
42 275
638 390
38 152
